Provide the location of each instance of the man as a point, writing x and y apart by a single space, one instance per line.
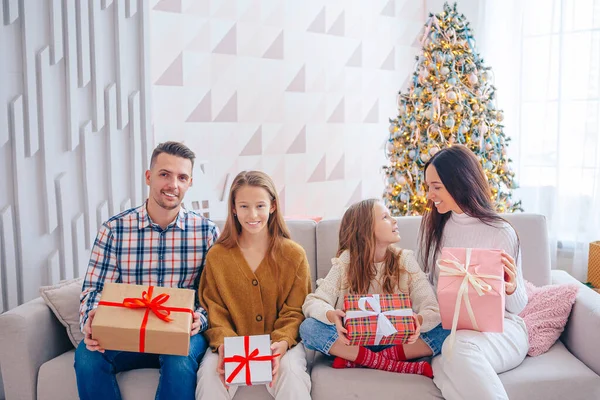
158 243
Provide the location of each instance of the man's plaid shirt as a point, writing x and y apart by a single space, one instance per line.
130 248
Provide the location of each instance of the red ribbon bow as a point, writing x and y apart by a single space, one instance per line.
244 361
150 304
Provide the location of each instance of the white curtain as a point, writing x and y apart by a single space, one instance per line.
546 59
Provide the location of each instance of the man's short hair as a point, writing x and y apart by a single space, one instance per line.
175 149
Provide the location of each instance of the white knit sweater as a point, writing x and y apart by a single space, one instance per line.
462 230
331 290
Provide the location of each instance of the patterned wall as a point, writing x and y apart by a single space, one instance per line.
74 132
300 89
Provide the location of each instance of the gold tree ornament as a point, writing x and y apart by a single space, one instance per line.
450 99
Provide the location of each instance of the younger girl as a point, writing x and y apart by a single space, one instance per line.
462 215
366 263
254 282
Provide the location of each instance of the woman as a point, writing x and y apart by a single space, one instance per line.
462 215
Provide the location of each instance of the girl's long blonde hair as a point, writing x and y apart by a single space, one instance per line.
276 226
357 235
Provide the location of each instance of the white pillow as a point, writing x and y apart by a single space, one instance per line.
63 300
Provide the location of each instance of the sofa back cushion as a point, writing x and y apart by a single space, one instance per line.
63 299
531 229
546 314
303 233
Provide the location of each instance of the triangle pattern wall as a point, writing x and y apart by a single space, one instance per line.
300 89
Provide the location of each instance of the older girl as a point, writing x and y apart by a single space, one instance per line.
255 282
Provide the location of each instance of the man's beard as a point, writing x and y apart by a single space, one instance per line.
163 205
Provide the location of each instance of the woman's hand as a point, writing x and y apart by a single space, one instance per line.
510 273
277 348
336 316
415 336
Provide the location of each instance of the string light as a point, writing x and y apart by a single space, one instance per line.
451 100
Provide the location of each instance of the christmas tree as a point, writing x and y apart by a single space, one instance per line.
450 100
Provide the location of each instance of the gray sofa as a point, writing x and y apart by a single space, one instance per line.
36 356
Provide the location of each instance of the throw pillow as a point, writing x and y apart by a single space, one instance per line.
546 314
63 300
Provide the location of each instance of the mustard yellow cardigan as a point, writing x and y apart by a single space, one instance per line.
240 302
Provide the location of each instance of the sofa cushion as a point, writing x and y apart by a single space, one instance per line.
56 380
557 374
546 314
361 383
63 300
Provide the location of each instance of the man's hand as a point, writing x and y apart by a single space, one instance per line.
336 316
277 348
195 324
90 344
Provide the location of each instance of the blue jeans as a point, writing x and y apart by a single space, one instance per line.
320 337
97 372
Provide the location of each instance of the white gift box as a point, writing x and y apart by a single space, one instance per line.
243 352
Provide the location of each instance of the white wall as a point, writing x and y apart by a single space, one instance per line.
299 89
74 132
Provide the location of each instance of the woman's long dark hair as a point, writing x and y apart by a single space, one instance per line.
464 179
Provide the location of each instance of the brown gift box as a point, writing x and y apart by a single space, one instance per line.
119 320
593 275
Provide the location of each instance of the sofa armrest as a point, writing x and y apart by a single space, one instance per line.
30 335
581 333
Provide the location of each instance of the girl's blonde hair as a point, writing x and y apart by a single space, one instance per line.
276 226
357 235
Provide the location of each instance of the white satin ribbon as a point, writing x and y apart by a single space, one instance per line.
437 108
384 325
426 33
438 131
469 278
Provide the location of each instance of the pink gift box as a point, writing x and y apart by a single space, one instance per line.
482 286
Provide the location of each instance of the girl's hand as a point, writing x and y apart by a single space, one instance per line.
336 316
510 273
415 336
221 367
277 348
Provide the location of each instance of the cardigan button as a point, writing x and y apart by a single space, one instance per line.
259 317
255 282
